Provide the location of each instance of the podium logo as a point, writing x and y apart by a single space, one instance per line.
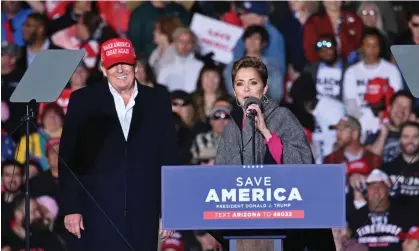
253 189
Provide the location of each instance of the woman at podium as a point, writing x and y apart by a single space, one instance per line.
279 139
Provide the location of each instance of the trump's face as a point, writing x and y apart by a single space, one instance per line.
248 83
120 76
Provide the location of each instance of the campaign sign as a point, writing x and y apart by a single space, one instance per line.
253 197
216 36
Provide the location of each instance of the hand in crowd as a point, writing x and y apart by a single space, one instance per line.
413 118
164 234
252 19
73 223
384 127
208 242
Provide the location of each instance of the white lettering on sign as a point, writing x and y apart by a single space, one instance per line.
253 189
254 181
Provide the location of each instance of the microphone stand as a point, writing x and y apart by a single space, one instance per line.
27 120
253 122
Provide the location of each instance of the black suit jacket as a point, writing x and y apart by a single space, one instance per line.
115 184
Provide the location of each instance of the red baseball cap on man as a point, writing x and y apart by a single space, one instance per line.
377 90
117 50
358 166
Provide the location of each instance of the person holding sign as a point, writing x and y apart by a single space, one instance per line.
279 139
111 157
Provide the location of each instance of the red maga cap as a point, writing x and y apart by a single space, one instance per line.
377 90
358 166
117 50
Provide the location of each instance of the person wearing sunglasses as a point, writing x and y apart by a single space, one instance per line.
411 36
205 146
183 106
329 71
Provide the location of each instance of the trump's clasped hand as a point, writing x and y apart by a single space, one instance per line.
73 223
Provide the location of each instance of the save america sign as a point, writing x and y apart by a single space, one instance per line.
240 197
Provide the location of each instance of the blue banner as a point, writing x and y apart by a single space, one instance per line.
253 197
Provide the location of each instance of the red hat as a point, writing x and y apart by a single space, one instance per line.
174 243
358 166
117 50
412 234
231 17
377 90
52 142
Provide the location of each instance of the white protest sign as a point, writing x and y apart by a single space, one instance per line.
216 36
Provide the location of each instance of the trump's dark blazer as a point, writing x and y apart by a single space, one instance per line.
119 190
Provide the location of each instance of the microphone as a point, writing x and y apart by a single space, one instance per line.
250 101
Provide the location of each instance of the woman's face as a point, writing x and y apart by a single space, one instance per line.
371 47
158 36
210 81
82 33
79 78
248 83
185 112
52 121
254 43
369 15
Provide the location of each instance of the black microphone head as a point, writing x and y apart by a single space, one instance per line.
252 100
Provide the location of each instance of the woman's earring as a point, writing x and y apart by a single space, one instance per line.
265 98
237 102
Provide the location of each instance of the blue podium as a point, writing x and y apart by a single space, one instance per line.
253 197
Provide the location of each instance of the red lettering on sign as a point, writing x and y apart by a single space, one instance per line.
216 44
219 34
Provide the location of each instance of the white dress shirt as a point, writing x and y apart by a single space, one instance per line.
124 111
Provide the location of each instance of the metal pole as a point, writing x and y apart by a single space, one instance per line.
27 203
254 139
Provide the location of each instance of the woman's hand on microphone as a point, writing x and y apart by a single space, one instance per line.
260 121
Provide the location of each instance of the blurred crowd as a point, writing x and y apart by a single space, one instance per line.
329 62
